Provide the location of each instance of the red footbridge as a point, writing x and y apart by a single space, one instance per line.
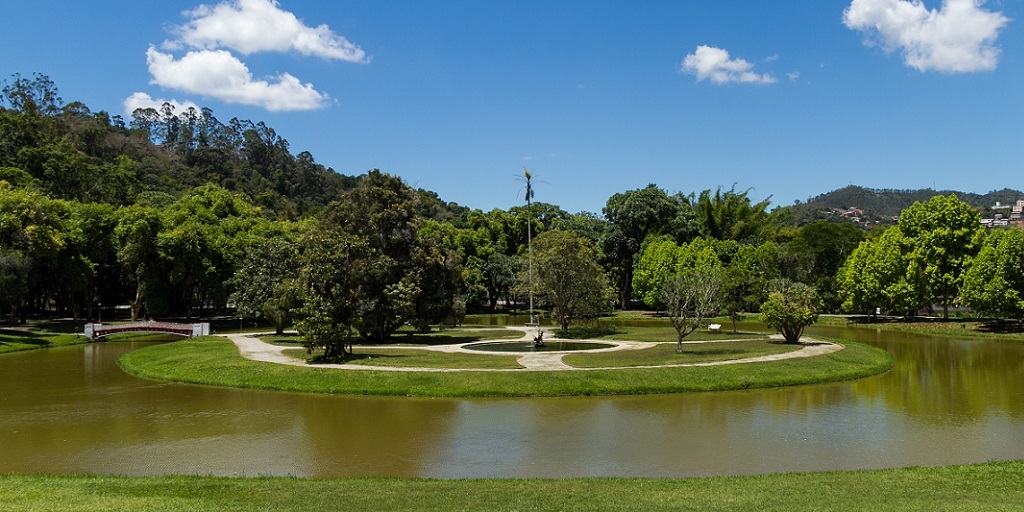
97 331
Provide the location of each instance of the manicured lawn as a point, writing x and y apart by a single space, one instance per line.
404 357
981 487
446 337
215 361
657 332
665 353
15 340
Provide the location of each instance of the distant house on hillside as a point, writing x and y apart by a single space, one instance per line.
1015 210
853 213
1000 219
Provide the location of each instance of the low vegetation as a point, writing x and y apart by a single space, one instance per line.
981 487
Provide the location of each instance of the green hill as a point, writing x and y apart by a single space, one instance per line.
882 205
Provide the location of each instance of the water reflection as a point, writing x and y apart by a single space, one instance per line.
71 410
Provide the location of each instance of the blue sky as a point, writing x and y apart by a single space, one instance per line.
788 99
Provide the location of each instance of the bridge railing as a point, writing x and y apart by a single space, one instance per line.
94 331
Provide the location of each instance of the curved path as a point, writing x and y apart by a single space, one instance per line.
251 347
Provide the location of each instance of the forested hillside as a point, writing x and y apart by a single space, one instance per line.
883 205
180 214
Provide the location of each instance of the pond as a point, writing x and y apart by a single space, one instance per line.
72 410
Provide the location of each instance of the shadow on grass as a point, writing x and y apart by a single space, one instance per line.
8 336
1001 327
712 351
319 359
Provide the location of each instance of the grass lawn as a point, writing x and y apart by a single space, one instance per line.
665 353
215 361
15 340
979 487
446 337
403 357
658 332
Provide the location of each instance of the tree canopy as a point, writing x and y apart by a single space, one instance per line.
566 272
790 308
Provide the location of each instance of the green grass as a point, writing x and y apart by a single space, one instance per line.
665 353
995 486
406 357
16 340
215 361
408 337
654 333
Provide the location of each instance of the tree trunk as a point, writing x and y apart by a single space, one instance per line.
626 292
137 303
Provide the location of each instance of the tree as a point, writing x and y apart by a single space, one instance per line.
439 274
661 258
14 272
405 277
817 252
206 235
35 97
994 283
35 232
332 278
656 263
265 283
747 276
567 273
730 215
790 308
941 236
137 251
690 298
634 215
876 275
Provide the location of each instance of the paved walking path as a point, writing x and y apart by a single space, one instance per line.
251 347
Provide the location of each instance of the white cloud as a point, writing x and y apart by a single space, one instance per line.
714 64
794 76
251 26
143 100
958 38
220 75
213 37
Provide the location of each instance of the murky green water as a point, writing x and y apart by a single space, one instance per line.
72 410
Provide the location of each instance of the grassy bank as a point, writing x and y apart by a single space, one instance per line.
978 487
215 361
16 340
